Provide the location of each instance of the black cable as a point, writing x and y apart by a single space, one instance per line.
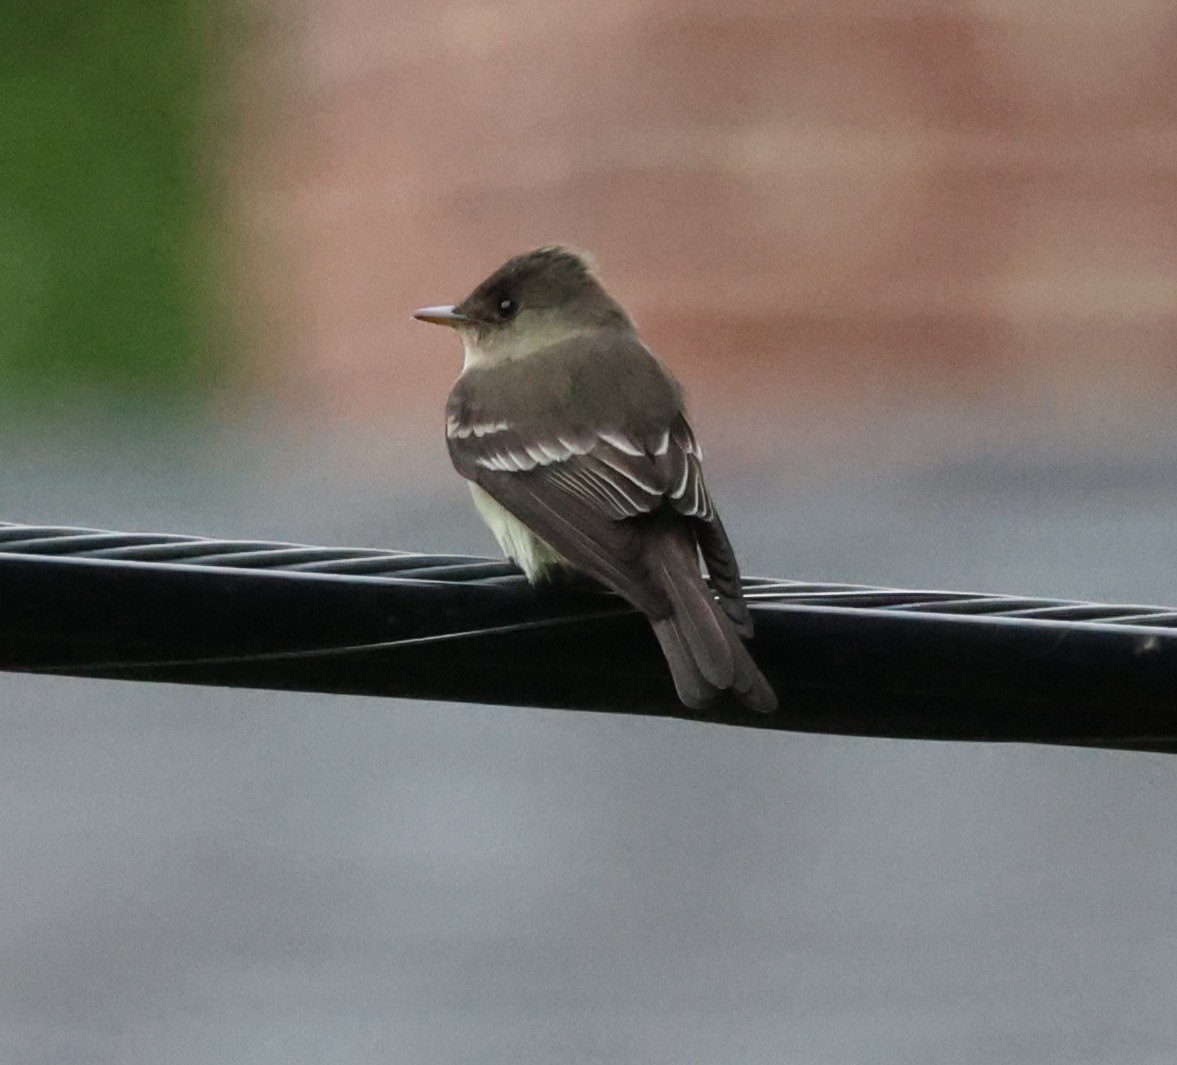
845 659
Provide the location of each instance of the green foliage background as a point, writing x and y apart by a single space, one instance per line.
104 264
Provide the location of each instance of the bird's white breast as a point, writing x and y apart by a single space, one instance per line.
531 554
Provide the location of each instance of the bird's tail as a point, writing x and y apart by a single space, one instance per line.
705 652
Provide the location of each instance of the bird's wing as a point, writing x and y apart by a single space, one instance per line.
690 498
575 489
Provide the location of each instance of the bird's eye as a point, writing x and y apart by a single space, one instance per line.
508 308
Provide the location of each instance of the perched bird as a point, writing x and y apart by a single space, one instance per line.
575 441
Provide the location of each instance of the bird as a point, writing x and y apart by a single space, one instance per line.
575 442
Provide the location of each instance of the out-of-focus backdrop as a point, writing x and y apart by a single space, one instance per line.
916 264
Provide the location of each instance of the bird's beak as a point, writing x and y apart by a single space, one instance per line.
440 316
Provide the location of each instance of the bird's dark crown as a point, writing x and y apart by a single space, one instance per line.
551 278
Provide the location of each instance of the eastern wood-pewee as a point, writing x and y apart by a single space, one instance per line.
575 441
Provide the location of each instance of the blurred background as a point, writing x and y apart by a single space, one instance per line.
916 264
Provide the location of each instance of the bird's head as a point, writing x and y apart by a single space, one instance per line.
528 304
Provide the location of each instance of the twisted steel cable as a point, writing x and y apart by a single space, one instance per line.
844 658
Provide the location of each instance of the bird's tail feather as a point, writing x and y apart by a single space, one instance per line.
700 641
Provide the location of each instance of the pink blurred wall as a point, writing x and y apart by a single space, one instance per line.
805 205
